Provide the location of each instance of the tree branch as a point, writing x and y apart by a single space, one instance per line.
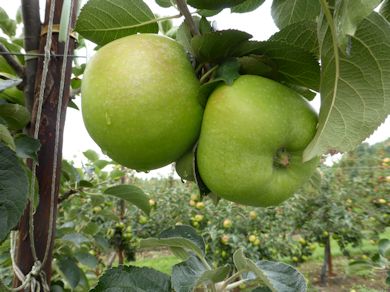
183 8
32 32
67 195
12 61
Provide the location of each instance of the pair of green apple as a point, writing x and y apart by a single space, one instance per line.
140 105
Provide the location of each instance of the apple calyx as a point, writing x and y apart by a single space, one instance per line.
282 158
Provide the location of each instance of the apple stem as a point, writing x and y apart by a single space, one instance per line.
282 158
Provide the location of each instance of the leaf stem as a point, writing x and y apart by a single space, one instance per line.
207 74
205 263
183 8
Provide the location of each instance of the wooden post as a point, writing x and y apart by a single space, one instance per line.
44 173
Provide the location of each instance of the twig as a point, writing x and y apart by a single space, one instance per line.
111 259
19 69
183 8
67 195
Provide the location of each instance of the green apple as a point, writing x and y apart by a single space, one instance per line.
251 142
139 101
227 223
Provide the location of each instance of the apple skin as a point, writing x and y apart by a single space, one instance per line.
244 126
139 101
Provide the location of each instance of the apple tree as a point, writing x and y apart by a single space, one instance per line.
256 128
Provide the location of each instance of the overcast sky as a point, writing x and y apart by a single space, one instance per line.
258 23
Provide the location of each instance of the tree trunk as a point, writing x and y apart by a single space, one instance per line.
329 258
327 267
44 172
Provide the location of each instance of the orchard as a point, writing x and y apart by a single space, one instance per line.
234 117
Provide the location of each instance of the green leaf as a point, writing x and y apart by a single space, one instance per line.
130 278
348 14
19 17
282 277
213 4
27 147
75 83
7 25
165 26
3 287
76 238
6 137
78 70
102 243
188 275
85 184
204 26
385 9
257 65
300 34
12 95
87 259
164 3
228 71
9 82
186 232
101 163
355 91
69 172
131 194
384 248
176 242
13 190
303 91
182 238
91 228
70 271
15 115
183 37
91 155
218 46
209 13
278 277
102 21
247 6
71 104
15 46
286 12
293 64
185 275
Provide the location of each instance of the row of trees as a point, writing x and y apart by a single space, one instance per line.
96 231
